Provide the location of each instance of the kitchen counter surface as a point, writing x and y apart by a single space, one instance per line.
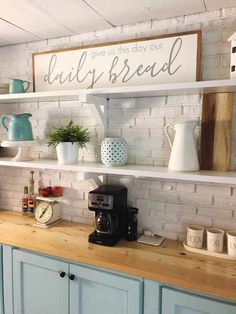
170 263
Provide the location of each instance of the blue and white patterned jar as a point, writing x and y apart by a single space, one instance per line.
114 151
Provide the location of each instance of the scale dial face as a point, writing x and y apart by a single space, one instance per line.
43 212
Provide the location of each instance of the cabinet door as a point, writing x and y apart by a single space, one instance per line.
175 302
98 292
38 287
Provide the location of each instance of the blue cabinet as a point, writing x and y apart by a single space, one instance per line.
36 284
177 302
152 297
1 282
43 285
99 292
39 286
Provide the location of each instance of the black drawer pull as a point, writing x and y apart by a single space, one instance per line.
72 277
62 274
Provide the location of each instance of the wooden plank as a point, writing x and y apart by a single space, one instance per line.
207 134
11 34
212 5
32 19
216 131
73 15
169 263
145 10
222 139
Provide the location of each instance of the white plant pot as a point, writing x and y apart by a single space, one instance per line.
67 153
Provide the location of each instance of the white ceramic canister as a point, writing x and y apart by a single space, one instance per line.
114 151
195 236
231 243
215 240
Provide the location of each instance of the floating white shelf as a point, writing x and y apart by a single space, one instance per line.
97 98
128 170
171 89
40 96
188 88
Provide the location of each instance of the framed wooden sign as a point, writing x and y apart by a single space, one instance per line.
166 59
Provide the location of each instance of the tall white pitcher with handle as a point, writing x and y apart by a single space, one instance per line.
184 153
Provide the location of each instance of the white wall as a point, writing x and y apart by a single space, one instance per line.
165 206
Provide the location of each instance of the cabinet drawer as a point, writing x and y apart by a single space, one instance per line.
176 302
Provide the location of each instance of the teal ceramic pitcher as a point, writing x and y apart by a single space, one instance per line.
19 127
18 86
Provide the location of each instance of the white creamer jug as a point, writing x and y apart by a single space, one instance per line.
184 153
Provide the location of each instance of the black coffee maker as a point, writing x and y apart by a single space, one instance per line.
109 203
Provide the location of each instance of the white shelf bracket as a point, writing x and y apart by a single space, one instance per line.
97 107
82 97
95 179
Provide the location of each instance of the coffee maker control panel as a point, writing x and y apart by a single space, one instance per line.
99 201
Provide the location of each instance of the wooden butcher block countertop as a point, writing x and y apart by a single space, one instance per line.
170 263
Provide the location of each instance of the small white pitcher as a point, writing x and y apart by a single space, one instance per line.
184 153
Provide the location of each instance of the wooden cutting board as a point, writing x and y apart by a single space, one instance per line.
216 131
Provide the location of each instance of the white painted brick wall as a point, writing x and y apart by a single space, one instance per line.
166 207
215 190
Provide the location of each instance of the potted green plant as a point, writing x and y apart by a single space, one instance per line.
67 140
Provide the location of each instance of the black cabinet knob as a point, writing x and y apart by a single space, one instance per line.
72 277
62 274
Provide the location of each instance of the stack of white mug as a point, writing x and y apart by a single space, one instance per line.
215 239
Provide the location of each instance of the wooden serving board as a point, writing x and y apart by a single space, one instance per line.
216 131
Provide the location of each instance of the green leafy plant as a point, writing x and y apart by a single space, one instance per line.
69 133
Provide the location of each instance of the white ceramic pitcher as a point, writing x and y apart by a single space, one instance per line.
184 153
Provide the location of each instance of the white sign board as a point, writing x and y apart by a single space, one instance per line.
171 59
